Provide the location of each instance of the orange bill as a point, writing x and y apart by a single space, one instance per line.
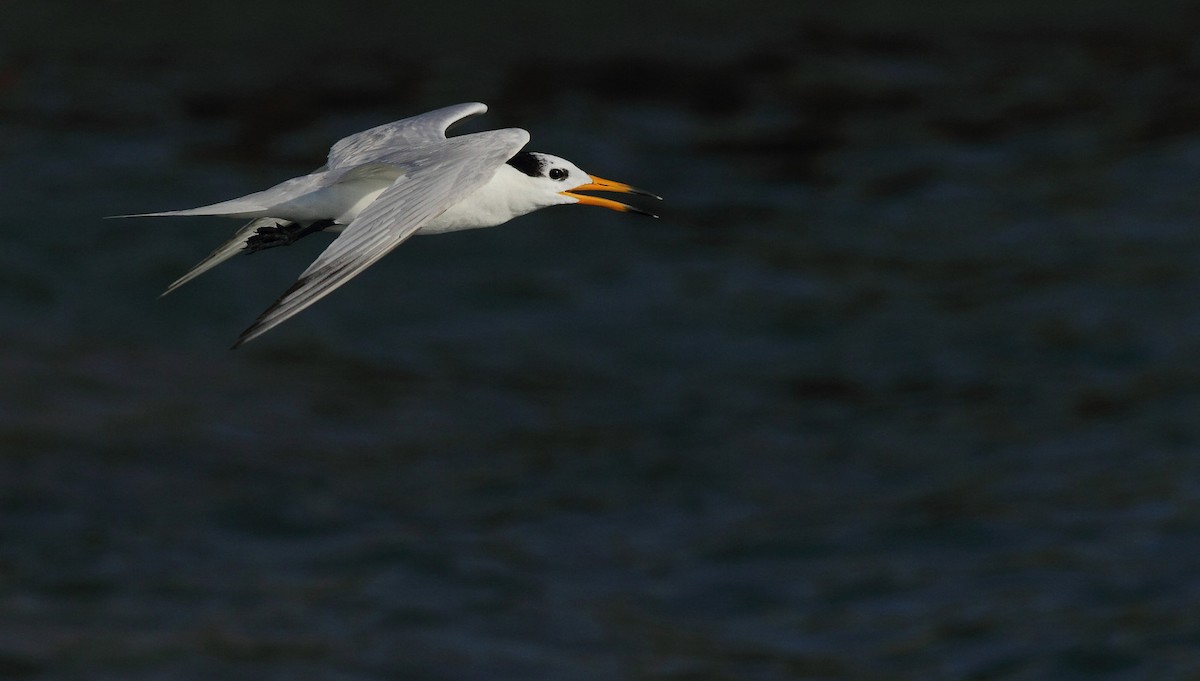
599 184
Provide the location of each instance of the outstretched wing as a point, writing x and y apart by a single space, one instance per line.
418 131
432 179
349 152
226 250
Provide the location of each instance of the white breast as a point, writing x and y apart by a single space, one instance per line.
503 198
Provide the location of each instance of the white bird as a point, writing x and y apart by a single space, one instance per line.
382 185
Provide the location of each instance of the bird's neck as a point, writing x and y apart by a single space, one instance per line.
503 198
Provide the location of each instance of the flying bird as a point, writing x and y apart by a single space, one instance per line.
380 186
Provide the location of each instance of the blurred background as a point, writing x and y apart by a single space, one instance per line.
903 385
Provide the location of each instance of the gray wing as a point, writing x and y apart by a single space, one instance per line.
423 130
349 152
433 179
225 251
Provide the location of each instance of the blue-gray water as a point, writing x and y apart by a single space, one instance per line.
903 385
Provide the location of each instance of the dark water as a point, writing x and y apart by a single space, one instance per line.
903 385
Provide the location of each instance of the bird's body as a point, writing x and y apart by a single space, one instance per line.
383 185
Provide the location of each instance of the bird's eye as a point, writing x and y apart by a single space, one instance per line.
558 174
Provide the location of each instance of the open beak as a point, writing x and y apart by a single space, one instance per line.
601 185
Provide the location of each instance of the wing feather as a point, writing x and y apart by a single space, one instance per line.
225 251
352 151
417 131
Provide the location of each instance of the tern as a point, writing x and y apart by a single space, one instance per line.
380 186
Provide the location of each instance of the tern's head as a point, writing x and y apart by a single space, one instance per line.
556 180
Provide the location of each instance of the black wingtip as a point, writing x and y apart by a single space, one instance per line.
253 331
